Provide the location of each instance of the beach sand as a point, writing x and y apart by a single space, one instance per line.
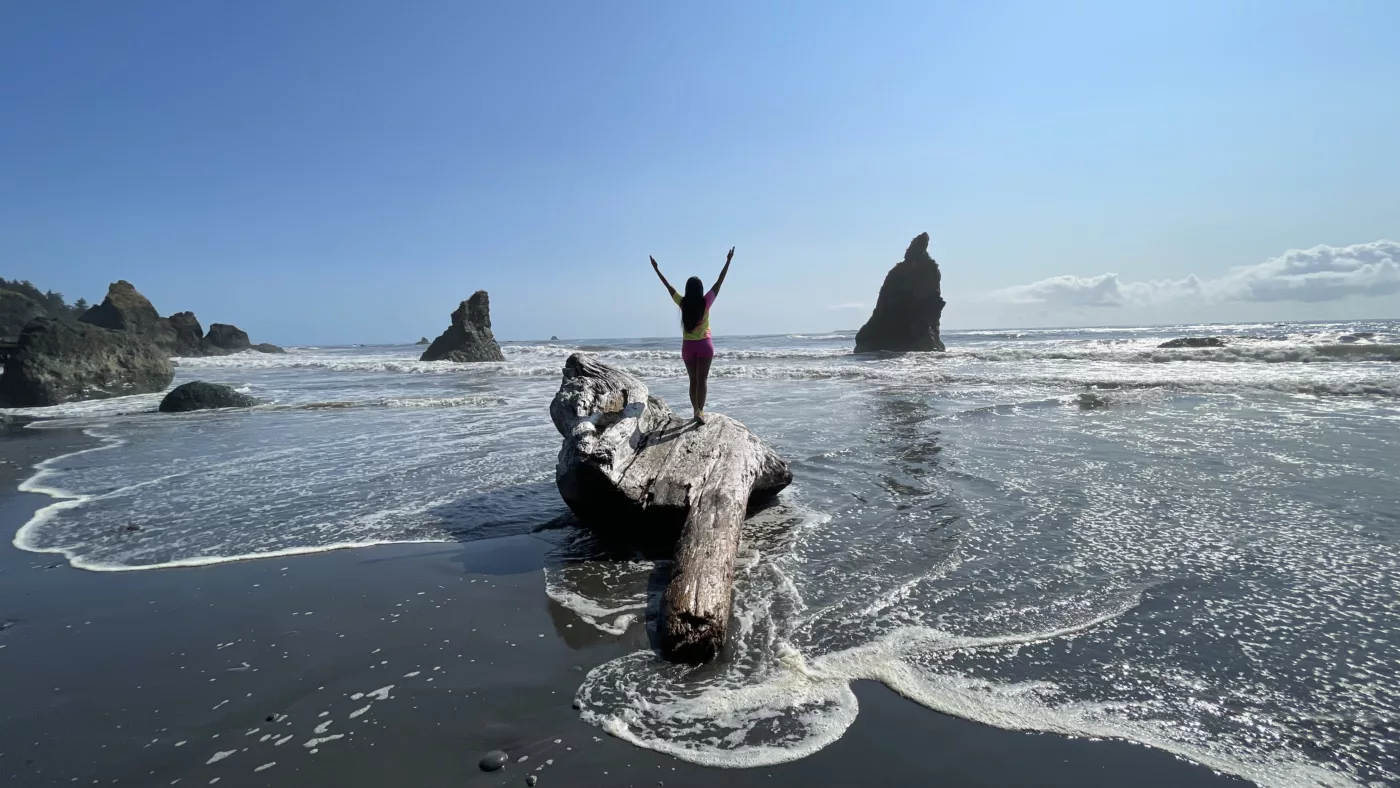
419 658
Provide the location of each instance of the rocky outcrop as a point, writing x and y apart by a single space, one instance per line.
630 467
125 309
422 341
469 338
188 334
16 310
909 306
199 395
267 347
226 338
1193 342
60 361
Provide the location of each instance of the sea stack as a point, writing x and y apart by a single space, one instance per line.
631 468
469 337
224 338
909 307
188 334
125 309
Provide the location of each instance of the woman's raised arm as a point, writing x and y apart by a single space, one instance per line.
662 277
723 273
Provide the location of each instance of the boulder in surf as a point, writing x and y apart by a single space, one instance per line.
1193 342
198 395
469 337
58 361
629 466
909 307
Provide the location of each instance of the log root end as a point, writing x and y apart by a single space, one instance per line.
691 639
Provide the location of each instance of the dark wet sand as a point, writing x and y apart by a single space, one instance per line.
141 678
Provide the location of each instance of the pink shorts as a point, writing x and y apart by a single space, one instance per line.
695 349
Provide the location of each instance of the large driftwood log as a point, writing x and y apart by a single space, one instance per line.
630 466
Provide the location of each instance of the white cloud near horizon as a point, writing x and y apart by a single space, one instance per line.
1322 273
852 305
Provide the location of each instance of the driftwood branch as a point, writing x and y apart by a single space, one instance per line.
631 467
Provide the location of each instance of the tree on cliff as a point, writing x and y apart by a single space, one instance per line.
51 301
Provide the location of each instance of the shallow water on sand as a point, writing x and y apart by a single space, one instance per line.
1060 530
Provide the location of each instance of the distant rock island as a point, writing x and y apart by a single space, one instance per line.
469 338
122 346
910 306
422 341
125 309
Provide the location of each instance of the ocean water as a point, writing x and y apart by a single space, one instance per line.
1057 530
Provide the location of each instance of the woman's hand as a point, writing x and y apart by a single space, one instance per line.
730 257
654 266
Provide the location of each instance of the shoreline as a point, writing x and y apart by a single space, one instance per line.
394 664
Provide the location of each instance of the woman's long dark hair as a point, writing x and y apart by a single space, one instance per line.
692 304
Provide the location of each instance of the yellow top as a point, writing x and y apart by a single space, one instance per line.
702 329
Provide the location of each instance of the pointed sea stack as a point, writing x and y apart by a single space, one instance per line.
469 338
125 309
909 307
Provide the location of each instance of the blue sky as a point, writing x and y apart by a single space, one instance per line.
347 171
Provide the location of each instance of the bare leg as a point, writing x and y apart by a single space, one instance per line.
702 383
691 370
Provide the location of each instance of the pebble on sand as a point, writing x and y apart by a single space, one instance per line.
494 760
531 780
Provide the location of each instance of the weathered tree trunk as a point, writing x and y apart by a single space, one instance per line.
631 467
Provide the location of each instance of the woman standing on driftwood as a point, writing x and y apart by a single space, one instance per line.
697 348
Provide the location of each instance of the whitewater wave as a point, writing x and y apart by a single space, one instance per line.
788 706
938 375
1254 352
398 402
